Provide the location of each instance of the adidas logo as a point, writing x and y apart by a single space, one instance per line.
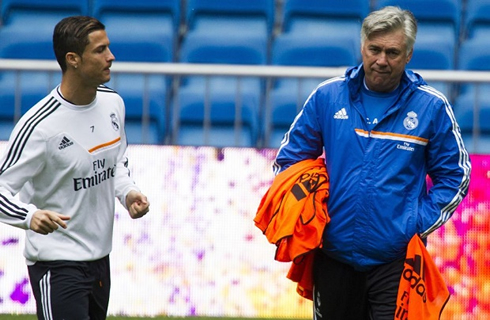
414 274
341 114
65 143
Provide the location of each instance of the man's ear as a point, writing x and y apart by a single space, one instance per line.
409 57
72 59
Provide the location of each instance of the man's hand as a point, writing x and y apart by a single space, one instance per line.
46 221
137 204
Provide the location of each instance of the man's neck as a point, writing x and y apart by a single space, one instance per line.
77 93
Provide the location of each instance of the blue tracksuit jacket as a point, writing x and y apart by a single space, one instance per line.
378 193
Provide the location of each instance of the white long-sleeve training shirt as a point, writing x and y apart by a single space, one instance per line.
69 159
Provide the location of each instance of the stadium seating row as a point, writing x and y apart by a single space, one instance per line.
278 32
159 22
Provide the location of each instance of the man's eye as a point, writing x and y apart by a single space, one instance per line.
393 54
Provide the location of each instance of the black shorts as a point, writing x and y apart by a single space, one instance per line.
342 293
71 290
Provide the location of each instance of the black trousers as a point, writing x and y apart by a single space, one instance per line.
71 290
342 293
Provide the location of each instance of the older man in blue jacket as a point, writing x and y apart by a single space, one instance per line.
383 130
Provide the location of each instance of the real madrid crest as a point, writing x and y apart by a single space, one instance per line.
411 122
114 121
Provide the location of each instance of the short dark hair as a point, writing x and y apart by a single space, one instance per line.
71 35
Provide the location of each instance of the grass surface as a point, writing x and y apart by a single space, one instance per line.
33 317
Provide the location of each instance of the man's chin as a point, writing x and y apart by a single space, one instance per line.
106 79
380 85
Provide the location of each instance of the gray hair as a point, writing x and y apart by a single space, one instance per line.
389 19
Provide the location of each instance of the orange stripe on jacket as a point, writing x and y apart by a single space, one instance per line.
422 293
293 214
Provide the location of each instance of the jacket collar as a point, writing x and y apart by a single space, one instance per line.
355 76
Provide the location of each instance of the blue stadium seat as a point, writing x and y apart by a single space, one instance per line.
206 48
322 18
6 128
228 24
142 31
435 54
313 33
224 93
297 13
25 45
223 32
9 112
294 50
474 54
439 23
264 9
145 98
464 112
35 14
252 16
289 94
165 10
26 33
436 18
28 25
20 42
356 9
477 21
225 120
139 90
31 86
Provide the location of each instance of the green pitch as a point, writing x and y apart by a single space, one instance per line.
32 317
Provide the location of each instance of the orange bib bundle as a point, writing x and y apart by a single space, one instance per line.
422 293
292 215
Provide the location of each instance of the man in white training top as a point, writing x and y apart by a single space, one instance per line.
66 158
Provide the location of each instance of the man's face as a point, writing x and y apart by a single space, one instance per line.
384 57
96 59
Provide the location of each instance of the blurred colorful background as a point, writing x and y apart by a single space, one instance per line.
198 252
